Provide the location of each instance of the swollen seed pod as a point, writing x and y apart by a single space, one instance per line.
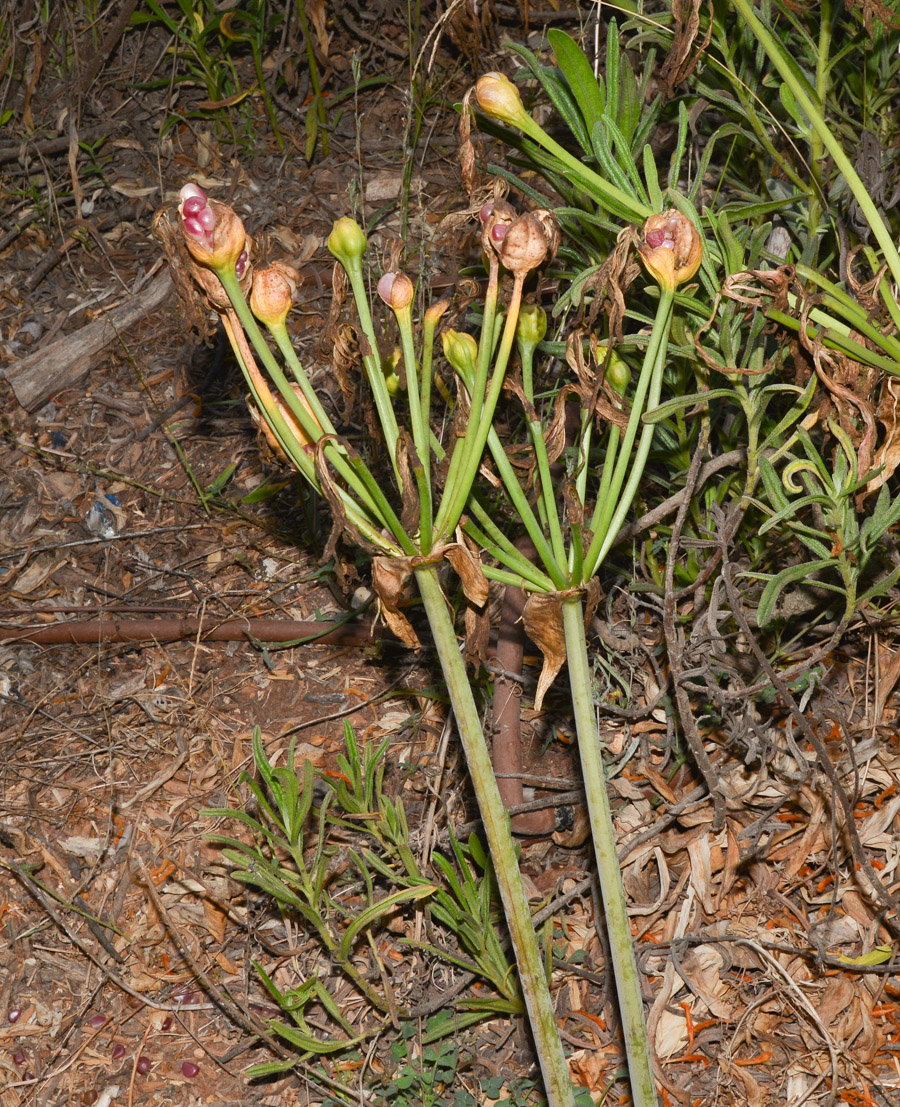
529 241
391 377
397 291
346 241
461 350
671 248
273 293
532 325
213 233
616 372
499 98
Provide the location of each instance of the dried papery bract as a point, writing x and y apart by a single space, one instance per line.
304 440
208 282
671 248
273 291
212 232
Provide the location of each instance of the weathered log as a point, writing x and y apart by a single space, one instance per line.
68 360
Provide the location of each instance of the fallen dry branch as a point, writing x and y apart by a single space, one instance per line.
69 359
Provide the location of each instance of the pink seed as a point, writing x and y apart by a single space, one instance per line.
19 1058
14 1014
189 1069
486 212
191 190
144 1065
240 266
498 232
207 218
167 1023
193 205
97 1021
27 1075
192 225
655 238
118 1052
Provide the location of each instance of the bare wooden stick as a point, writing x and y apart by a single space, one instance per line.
69 359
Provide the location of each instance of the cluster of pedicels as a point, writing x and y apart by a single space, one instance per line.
670 245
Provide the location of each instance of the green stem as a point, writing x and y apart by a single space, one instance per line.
479 427
493 541
547 491
336 455
495 820
303 461
610 512
843 164
420 428
372 363
282 340
619 202
628 985
823 56
507 474
455 492
428 328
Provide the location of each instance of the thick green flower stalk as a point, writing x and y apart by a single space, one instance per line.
301 428
499 99
671 249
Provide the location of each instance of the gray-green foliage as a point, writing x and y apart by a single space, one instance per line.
331 851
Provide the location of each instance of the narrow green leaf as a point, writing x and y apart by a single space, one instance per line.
680 147
367 917
559 96
778 583
312 129
216 486
577 70
664 411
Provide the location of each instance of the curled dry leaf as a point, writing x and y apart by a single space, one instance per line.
390 574
543 622
888 453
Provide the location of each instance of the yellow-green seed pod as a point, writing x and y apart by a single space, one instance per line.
391 379
346 241
461 350
617 372
532 325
